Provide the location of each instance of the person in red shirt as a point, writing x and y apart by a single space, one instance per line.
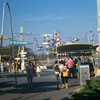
70 65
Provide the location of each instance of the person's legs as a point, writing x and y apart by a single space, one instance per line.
72 71
57 80
38 74
69 72
62 78
28 80
66 79
31 79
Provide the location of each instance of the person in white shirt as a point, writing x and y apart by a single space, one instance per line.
38 70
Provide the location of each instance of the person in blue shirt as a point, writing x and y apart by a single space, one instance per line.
77 66
29 69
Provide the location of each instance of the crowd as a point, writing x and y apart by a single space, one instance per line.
11 67
6 67
69 68
31 67
64 69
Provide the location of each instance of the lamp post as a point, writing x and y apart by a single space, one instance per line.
89 36
2 32
2 28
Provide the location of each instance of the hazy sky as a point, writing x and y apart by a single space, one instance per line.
73 18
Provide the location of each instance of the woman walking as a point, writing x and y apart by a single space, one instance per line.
29 69
56 71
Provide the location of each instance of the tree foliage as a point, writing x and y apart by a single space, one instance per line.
8 53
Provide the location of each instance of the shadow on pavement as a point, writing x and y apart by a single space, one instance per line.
66 98
6 84
47 99
37 87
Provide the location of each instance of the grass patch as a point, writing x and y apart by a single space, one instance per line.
91 91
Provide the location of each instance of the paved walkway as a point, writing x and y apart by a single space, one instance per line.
44 87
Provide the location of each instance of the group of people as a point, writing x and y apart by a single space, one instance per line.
32 69
6 67
62 69
66 70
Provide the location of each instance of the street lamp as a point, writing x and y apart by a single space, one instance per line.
2 27
89 36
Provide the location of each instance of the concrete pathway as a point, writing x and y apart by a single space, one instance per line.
44 87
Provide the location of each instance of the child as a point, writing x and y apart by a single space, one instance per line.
65 77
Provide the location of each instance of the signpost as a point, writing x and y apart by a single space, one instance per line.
23 54
84 74
17 42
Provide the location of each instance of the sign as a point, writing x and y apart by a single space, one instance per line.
24 58
16 42
84 74
17 58
23 53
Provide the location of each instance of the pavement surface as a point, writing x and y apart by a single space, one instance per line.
44 87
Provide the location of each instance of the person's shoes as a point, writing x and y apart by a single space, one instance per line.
57 88
66 85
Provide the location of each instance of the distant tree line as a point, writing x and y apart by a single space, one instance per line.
9 53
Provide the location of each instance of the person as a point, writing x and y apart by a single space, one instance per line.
70 65
75 70
61 67
29 70
2 67
56 71
77 66
12 67
8 67
38 70
65 77
34 62
19 66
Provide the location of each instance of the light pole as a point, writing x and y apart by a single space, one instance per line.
2 28
89 36
2 32
36 46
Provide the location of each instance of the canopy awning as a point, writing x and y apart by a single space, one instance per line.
74 47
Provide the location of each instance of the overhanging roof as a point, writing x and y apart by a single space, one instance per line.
73 47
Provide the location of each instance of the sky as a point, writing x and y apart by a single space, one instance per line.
73 18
